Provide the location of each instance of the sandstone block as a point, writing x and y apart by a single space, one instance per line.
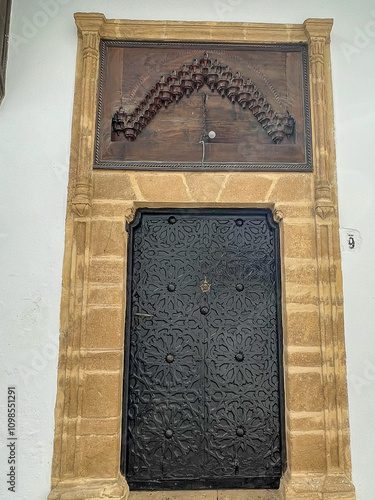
307 452
303 358
306 421
99 456
173 495
106 295
204 187
103 360
293 187
301 294
295 210
192 495
107 238
101 395
299 240
162 187
249 495
305 392
112 185
246 188
105 328
300 271
302 328
109 208
103 271
98 426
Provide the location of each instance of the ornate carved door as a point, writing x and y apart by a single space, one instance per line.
203 405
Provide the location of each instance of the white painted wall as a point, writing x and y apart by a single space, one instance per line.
35 122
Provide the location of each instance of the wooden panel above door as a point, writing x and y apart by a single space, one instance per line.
190 106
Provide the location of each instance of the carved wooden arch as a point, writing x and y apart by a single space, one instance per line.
219 78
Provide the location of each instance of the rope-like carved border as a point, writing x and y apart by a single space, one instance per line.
173 87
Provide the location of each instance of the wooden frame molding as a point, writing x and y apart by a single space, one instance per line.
86 460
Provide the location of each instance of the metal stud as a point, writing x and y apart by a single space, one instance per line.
171 287
169 358
239 356
239 222
239 287
172 220
240 432
204 310
168 433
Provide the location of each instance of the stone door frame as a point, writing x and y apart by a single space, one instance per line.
86 460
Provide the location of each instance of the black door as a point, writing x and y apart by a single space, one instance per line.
203 405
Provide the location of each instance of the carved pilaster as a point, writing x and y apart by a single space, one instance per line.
332 350
327 240
318 32
88 31
76 263
74 300
81 203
